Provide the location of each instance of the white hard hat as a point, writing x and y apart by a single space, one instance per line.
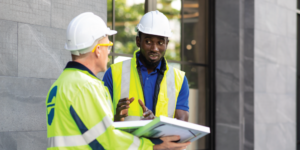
155 23
84 30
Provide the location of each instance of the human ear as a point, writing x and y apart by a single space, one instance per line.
138 41
98 51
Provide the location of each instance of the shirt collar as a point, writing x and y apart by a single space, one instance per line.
142 65
77 65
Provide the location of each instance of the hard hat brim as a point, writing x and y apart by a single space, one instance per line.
112 32
158 34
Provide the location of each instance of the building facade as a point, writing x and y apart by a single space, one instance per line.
240 58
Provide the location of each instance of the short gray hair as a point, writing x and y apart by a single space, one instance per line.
86 50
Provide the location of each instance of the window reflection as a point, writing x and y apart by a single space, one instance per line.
172 8
127 15
195 30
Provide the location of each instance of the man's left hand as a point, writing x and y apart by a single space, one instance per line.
147 113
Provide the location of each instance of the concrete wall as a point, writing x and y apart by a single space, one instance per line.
234 74
256 74
32 56
275 74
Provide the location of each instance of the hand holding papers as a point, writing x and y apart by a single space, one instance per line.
164 126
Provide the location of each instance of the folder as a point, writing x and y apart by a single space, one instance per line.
164 126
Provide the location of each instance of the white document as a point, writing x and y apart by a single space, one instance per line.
164 126
130 126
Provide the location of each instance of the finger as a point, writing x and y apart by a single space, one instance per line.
123 103
149 116
147 113
123 107
181 148
171 138
123 99
182 145
123 116
143 106
131 99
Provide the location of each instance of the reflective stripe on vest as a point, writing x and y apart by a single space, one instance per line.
80 140
171 90
136 144
125 80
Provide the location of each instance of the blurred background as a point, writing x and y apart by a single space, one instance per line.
240 58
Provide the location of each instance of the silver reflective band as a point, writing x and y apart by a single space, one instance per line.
171 92
97 130
132 118
62 141
84 139
125 81
135 144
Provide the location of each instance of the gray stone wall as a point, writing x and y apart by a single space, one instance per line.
32 56
234 74
275 74
256 74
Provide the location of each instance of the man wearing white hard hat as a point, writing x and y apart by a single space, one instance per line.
146 86
79 107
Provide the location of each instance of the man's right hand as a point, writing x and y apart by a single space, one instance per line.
169 144
122 109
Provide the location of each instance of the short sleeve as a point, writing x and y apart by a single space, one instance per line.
183 97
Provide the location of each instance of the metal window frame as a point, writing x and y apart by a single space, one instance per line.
298 82
298 79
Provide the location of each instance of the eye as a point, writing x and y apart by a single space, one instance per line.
160 43
148 42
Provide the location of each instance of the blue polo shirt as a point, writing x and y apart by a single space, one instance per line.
149 81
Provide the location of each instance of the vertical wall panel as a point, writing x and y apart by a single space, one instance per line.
8 48
275 75
32 56
234 75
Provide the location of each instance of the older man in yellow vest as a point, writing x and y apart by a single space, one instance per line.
146 86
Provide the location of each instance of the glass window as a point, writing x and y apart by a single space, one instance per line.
172 8
298 81
127 15
194 35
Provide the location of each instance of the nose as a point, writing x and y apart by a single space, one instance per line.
154 47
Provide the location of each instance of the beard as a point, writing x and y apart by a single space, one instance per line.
149 63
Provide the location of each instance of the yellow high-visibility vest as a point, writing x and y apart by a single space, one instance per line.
80 116
127 84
